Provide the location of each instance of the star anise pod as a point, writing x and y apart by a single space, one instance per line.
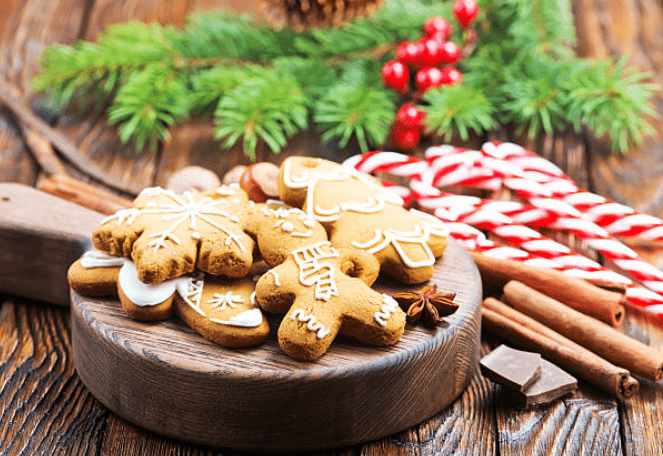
428 303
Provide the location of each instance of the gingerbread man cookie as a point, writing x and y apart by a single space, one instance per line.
168 235
359 212
220 309
322 300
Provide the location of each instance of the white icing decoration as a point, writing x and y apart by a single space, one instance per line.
195 235
247 319
191 289
389 306
420 235
312 323
309 180
96 259
314 272
182 208
253 298
143 294
225 190
282 212
220 301
277 280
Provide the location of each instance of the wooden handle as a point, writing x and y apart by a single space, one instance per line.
40 236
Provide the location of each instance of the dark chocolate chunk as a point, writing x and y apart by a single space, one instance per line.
553 384
514 369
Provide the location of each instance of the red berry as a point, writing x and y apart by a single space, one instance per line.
428 77
410 53
432 52
437 27
465 11
450 53
405 139
395 75
451 76
409 116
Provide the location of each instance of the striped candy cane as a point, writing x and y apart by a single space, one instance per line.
569 218
618 219
493 216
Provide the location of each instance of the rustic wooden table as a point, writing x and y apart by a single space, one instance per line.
44 407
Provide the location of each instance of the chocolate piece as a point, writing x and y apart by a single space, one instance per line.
514 369
553 384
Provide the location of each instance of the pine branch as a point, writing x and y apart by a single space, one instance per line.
270 106
356 106
461 109
265 85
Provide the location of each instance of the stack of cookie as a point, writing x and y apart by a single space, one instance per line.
218 260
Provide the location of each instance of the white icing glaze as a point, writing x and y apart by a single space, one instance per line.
191 289
422 230
180 209
282 212
195 235
389 306
309 180
253 298
220 301
277 279
311 323
143 294
96 259
313 272
247 319
226 190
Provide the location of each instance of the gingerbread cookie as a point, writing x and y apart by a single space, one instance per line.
279 229
322 300
168 235
222 310
359 212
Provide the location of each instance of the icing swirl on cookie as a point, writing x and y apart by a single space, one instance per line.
314 272
389 306
312 323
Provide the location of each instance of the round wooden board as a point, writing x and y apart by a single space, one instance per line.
166 378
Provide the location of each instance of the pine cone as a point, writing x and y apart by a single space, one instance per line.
304 14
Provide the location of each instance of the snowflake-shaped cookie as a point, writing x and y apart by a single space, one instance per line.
167 234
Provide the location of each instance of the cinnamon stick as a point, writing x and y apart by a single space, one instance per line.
592 334
79 192
529 334
607 306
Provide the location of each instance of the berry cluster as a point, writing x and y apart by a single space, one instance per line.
424 64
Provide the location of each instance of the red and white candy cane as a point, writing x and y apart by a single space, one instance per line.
569 218
617 219
492 216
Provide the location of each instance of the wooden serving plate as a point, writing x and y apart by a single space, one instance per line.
164 377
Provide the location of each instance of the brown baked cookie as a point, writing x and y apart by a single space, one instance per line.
279 229
322 300
168 235
358 212
220 309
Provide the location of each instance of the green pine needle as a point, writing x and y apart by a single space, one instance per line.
270 106
460 109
